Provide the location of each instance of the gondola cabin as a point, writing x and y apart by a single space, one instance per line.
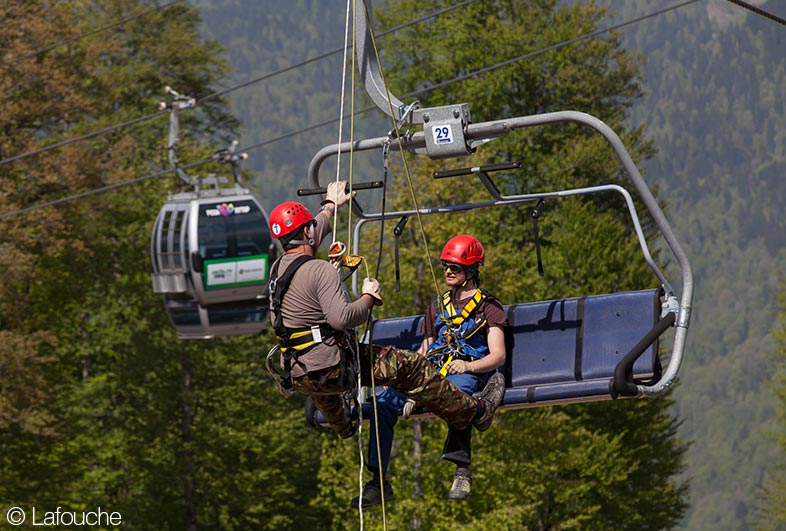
194 321
212 245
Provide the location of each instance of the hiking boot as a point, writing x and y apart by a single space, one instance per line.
462 485
372 495
491 397
346 431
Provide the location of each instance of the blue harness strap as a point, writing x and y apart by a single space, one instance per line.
457 331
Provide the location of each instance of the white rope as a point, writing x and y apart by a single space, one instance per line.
335 224
360 442
341 108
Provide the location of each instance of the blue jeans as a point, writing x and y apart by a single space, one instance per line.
390 402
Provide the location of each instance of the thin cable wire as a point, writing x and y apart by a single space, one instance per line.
553 47
362 111
759 11
331 52
341 111
85 35
83 137
103 189
222 92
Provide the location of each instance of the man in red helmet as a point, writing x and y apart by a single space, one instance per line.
464 337
314 322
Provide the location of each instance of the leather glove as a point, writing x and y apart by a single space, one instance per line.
409 407
371 287
336 194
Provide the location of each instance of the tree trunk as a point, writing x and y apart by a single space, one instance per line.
188 465
417 454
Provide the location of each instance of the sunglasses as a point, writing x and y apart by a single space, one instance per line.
453 268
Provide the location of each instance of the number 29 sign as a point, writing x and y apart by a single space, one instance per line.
443 134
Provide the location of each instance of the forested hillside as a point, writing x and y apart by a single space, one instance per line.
714 107
716 111
102 405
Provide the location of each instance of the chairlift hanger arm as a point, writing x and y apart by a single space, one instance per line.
369 67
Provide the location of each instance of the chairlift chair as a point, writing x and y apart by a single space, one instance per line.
563 351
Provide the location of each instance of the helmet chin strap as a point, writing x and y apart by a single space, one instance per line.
472 274
310 241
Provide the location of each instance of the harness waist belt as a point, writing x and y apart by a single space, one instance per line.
303 338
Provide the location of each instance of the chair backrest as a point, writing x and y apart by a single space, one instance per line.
566 350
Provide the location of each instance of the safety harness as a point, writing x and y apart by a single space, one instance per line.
457 332
292 342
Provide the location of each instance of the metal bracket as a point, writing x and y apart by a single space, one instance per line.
443 129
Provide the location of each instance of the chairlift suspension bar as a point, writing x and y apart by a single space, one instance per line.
355 186
369 67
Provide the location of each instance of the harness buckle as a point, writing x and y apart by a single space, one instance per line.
316 334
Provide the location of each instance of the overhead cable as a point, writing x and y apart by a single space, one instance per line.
222 92
107 188
83 137
759 11
556 46
333 52
362 111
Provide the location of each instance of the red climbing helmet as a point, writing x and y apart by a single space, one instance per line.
463 249
287 218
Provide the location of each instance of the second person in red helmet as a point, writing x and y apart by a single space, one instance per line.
464 338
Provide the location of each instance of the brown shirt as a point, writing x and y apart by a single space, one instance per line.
317 296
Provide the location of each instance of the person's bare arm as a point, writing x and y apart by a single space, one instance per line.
425 344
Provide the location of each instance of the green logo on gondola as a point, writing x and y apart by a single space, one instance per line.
235 272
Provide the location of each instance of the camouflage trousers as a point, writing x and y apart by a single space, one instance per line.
405 371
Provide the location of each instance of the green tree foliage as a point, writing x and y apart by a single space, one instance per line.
600 466
100 403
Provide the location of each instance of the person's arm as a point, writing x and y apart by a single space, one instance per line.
425 344
493 360
339 312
